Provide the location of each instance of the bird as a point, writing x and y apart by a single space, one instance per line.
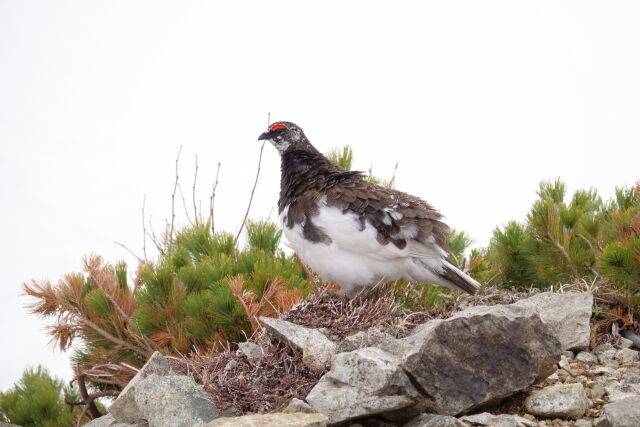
354 233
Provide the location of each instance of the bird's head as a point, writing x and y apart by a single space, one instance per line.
284 136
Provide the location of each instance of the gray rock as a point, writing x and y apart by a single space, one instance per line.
362 339
104 421
271 420
596 391
607 356
317 351
2 424
297 405
459 363
434 420
503 420
124 409
287 332
625 343
250 349
583 423
624 413
353 342
561 400
586 357
627 355
173 401
568 314
603 370
361 383
620 391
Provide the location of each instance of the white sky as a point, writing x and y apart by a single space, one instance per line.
477 101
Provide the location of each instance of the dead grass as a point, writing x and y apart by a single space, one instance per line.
240 385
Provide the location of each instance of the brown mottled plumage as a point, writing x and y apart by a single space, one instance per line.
310 182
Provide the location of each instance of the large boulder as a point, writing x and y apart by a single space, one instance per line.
125 409
361 383
173 401
276 419
477 357
568 314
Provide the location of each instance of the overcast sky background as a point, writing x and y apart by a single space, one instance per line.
476 101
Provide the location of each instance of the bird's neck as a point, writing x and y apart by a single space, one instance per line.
302 170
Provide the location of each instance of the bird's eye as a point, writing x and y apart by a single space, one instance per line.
276 127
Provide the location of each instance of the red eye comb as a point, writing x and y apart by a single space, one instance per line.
277 126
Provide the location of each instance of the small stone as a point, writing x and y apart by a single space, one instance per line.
271 420
607 355
568 354
596 391
564 364
503 420
564 400
562 374
627 355
317 351
613 364
287 332
602 370
624 413
625 343
576 372
583 423
586 357
297 405
434 420
553 377
250 349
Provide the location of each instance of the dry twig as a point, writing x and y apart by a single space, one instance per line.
212 199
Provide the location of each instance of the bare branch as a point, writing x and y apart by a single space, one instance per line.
212 199
193 193
144 229
255 183
173 201
128 250
253 190
155 239
184 205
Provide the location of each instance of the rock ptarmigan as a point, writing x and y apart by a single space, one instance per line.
355 233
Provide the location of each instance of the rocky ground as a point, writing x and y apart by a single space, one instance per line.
496 359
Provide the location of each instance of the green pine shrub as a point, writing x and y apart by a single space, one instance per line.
37 400
564 241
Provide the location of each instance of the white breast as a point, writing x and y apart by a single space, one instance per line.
354 258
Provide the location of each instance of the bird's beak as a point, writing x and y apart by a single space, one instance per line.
265 135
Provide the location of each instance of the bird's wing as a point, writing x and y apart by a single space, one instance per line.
400 219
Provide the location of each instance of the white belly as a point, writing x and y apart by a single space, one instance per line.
354 258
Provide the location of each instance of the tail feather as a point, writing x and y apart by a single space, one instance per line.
459 279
